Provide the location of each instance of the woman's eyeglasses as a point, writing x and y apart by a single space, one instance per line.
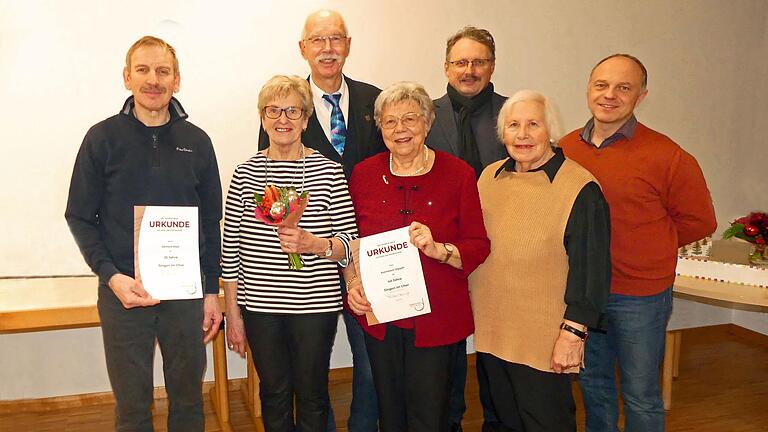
273 112
408 120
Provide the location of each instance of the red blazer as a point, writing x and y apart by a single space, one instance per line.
446 200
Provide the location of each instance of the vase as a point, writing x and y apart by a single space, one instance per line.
759 255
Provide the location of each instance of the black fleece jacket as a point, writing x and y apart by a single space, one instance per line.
123 163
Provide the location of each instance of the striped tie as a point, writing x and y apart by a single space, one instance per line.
338 127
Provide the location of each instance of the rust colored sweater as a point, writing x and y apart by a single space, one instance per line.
658 200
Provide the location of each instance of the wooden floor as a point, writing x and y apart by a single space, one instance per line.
723 386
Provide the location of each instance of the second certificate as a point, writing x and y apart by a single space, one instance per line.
390 270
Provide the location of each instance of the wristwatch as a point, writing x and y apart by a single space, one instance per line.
328 251
570 329
449 249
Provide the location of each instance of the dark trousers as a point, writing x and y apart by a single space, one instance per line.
364 409
413 384
527 399
292 354
129 346
457 405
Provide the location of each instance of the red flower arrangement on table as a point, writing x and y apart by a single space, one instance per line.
282 206
754 229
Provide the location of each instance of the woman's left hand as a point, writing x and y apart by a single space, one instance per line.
421 237
568 352
297 240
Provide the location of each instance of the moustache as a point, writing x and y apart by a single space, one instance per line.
153 89
322 57
470 77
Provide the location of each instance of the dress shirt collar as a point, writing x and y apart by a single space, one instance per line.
324 109
317 94
627 130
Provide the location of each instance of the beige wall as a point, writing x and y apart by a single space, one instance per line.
61 67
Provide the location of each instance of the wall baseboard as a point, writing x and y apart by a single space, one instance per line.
335 376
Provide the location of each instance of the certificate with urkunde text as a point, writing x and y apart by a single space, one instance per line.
391 274
166 251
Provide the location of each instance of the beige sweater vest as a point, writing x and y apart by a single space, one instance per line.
517 294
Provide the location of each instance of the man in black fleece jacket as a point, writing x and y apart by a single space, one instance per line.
148 154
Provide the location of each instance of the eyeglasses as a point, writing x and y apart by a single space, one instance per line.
478 63
408 120
273 112
336 41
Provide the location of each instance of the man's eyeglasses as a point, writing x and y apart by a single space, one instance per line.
273 112
478 63
336 41
408 120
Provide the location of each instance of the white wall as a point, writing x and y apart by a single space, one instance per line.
60 74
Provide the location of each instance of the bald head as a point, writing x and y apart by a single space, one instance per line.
323 16
325 46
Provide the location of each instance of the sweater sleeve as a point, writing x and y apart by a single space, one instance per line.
343 213
473 243
209 191
688 200
587 242
233 213
86 192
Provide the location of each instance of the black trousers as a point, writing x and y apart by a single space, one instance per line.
129 346
292 354
527 399
413 384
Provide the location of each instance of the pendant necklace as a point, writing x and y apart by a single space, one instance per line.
293 176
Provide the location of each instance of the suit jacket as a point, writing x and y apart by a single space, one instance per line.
363 137
444 134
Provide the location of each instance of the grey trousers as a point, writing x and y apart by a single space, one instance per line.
129 345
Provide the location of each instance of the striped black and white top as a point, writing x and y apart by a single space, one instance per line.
251 251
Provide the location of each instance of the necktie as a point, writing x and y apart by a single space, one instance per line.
338 127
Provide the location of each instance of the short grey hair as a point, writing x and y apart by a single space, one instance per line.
550 117
281 86
401 92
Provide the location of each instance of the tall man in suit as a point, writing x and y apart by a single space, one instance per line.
465 126
343 130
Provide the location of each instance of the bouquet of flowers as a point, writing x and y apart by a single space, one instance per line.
282 206
754 229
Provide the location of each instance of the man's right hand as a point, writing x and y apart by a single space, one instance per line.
130 292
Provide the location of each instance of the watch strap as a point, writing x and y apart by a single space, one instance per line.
570 329
449 252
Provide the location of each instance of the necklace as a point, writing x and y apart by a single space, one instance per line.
411 174
293 177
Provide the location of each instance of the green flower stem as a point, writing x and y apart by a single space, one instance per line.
295 262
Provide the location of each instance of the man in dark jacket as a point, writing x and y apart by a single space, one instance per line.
465 126
148 155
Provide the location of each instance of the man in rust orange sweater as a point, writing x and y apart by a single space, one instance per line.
658 201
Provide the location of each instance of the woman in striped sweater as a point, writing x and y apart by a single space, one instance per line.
287 316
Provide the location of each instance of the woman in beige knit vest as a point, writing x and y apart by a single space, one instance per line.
547 277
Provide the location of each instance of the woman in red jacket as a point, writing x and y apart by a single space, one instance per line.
435 195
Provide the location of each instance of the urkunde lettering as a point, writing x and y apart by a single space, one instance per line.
387 249
168 224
